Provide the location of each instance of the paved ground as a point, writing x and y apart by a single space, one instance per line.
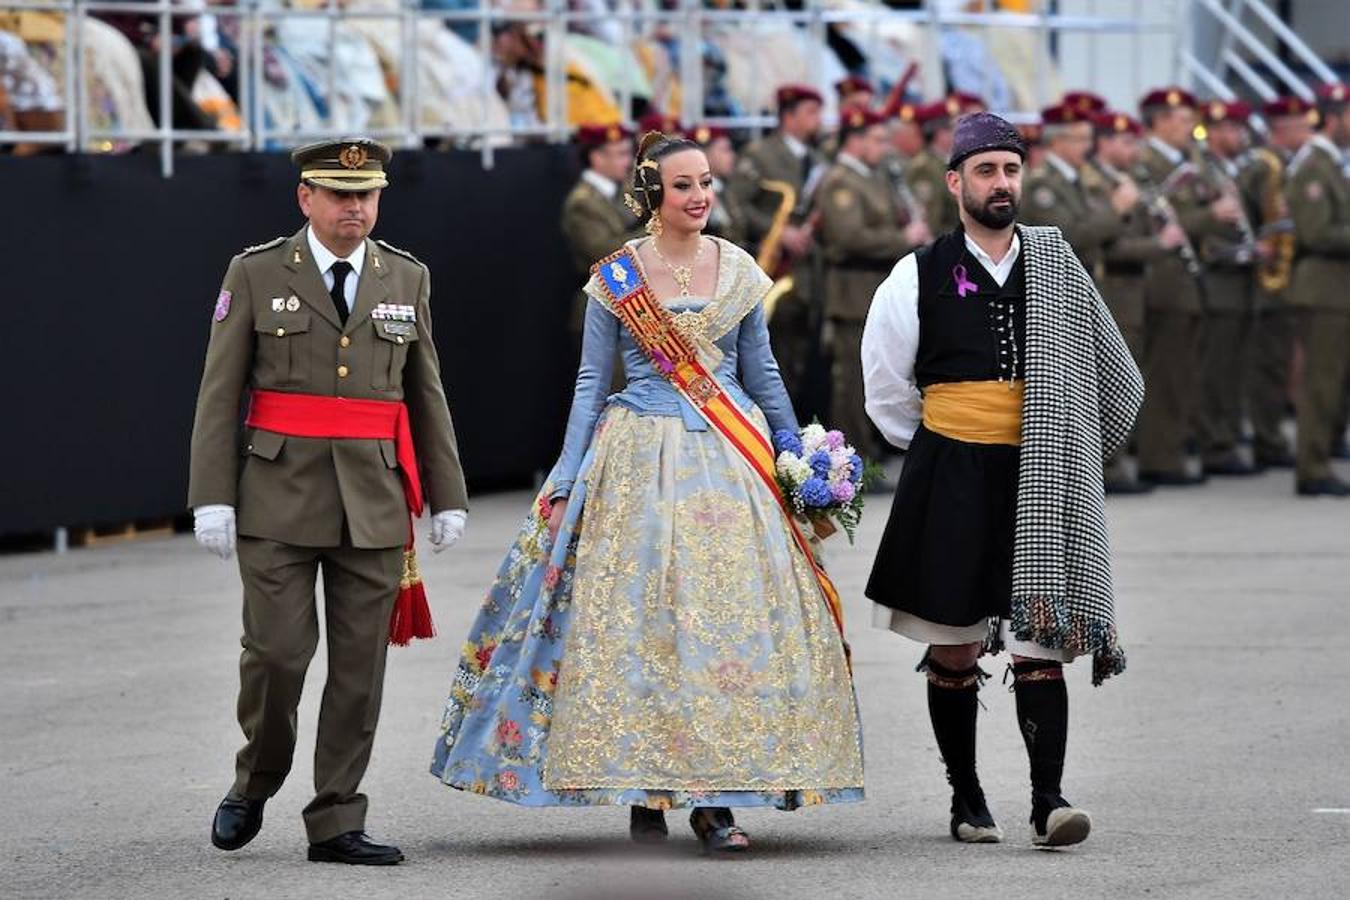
1203 764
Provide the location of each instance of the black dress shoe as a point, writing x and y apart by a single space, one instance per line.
1230 466
1171 479
237 821
355 849
1323 487
1277 460
1128 487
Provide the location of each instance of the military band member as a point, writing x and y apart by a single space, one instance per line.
1319 200
1056 194
927 172
659 121
1125 259
788 158
595 221
1174 297
855 91
864 231
727 219
1289 122
1034 135
328 334
1229 254
906 133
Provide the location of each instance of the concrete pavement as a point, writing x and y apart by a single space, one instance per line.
1203 764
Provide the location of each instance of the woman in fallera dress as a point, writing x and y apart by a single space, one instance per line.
656 637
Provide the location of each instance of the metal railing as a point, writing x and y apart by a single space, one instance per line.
688 20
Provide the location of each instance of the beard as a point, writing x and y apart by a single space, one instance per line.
986 214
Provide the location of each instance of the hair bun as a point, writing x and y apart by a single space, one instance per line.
649 140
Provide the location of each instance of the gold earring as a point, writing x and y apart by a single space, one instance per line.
654 225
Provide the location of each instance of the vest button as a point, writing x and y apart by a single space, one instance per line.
345 342
342 371
281 332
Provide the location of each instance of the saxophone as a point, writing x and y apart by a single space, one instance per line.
1272 274
770 257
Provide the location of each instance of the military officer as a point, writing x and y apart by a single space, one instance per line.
927 172
1229 254
727 219
1033 133
328 334
1174 297
851 91
1125 258
1056 194
785 165
659 121
1319 200
864 231
595 221
1289 122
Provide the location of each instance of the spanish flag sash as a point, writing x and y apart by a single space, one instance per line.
653 329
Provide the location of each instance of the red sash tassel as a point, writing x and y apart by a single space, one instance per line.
339 418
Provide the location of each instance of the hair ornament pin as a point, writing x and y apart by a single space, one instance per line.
633 206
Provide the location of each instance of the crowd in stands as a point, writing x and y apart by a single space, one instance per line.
351 76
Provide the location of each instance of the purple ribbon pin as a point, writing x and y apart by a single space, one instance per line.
963 284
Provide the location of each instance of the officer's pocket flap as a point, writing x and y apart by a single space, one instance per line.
266 444
396 332
390 454
282 324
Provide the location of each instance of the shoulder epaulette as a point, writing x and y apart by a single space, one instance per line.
403 253
258 248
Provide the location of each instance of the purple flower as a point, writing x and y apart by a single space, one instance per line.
820 463
834 439
855 464
816 493
844 491
786 439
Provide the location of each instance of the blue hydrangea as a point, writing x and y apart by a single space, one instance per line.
820 463
786 439
816 493
855 468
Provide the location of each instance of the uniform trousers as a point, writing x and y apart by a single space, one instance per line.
1268 378
281 633
1124 298
1325 335
1171 372
847 412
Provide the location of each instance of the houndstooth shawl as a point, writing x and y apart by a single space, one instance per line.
1083 391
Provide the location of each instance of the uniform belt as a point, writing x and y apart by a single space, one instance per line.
977 412
317 416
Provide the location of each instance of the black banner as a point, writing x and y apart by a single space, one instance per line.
111 274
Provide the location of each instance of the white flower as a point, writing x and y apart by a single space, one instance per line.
813 438
792 469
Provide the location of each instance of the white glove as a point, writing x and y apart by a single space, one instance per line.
213 526
446 528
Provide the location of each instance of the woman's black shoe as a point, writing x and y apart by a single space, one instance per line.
237 821
647 826
355 849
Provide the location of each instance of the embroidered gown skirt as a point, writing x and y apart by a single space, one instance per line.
671 649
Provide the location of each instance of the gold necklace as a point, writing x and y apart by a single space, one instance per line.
683 275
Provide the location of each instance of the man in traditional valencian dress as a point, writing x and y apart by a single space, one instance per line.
991 357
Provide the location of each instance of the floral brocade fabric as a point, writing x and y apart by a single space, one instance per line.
671 649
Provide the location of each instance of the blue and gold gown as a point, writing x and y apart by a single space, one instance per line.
672 648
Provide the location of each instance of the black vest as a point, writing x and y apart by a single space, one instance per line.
977 337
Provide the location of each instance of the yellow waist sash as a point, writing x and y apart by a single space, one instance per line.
978 412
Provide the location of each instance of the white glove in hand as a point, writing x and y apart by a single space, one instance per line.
447 528
213 526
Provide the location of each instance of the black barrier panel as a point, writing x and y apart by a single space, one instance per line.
111 273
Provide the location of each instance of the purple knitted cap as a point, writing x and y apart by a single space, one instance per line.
982 131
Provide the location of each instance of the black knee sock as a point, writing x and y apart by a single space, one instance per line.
1043 716
953 701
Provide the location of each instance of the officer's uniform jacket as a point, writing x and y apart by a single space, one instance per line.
1126 256
861 236
1228 252
927 178
1051 197
279 331
1319 201
595 226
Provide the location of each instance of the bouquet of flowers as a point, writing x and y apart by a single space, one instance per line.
822 478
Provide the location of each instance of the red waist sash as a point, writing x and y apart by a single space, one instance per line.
339 418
